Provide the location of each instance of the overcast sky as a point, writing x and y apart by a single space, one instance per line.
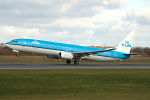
84 22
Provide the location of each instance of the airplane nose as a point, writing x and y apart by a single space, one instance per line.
5 44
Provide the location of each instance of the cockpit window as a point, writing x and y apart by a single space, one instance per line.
14 41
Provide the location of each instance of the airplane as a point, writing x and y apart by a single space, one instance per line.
57 50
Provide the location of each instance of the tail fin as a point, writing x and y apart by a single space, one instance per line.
126 44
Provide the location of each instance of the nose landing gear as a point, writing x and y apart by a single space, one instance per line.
17 54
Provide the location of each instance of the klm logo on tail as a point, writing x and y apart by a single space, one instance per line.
126 44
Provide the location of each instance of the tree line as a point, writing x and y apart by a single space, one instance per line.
141 50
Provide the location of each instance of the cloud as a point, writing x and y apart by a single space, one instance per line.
105 2
94 22
113 4
141 16
10 32
89 32
65 7
55 8
74 23
97 9
59 34
102 21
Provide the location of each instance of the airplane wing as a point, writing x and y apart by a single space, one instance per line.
81 54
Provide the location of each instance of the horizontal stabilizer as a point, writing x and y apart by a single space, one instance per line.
132 54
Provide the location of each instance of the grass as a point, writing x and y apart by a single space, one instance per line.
43 59
76 84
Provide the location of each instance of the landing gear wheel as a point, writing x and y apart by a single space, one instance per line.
76 62
17 55
68 61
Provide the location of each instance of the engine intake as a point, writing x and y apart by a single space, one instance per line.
66 55
53 56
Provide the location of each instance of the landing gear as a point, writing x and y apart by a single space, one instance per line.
68 61
76 62
17 54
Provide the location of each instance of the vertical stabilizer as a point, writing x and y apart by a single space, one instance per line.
126 44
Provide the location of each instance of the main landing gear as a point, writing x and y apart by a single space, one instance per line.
68 61
76 62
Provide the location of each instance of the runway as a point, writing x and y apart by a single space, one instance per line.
71 66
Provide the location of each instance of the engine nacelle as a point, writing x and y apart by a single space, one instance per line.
66 55
53 56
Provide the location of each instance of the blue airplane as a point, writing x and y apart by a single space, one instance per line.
57 50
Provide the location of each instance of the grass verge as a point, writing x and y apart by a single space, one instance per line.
76 84
43 59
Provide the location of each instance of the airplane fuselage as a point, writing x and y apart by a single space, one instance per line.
53 50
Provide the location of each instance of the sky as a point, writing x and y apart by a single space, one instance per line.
82 22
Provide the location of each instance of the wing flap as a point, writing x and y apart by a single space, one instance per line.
91 52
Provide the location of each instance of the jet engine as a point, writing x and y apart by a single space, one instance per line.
53 56
66 55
